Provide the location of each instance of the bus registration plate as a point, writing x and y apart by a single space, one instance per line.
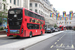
14 35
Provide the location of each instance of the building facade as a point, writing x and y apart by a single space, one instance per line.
44 8
7 4
67 22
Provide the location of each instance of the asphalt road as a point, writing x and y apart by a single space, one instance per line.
7 40
63 41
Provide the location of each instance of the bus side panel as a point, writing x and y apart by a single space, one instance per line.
43 30
38 31
23 24
28 32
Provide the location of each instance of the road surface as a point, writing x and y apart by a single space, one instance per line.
63 41
7 40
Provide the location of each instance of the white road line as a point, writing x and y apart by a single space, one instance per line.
55 42
62 37
51 46
72 46
61 45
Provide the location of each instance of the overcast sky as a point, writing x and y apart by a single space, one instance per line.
63 5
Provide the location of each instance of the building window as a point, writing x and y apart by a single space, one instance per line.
0 6
4 6
36 10
10 1
35 4
15 2
18 2
10 7
30 4
31 9
39 5
39 11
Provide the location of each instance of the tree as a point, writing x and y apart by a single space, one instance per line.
5 5
3 14
55 25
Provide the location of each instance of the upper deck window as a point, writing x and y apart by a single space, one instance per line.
11 12
31 14
15 12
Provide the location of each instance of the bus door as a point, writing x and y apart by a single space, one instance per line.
31 28
37 30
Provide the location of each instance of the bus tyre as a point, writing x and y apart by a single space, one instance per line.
41 32
30 34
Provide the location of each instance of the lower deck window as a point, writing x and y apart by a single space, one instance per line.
32 26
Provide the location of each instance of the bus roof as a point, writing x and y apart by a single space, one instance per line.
15 8
26 9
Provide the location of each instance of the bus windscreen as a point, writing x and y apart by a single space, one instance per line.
15 18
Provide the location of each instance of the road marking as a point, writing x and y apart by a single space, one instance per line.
61 45
72 46
51 46
57 49
60 39
55 42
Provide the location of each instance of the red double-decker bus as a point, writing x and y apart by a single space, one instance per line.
24 23
61 27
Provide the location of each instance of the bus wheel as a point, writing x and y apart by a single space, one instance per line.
41 33
30 34
18 37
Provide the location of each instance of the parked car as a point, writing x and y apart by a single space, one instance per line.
53 29
59 29
56 29
48 30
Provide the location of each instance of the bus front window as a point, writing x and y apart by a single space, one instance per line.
15 18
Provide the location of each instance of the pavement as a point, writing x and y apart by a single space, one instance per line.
24 43
3 32
1 36
63 41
